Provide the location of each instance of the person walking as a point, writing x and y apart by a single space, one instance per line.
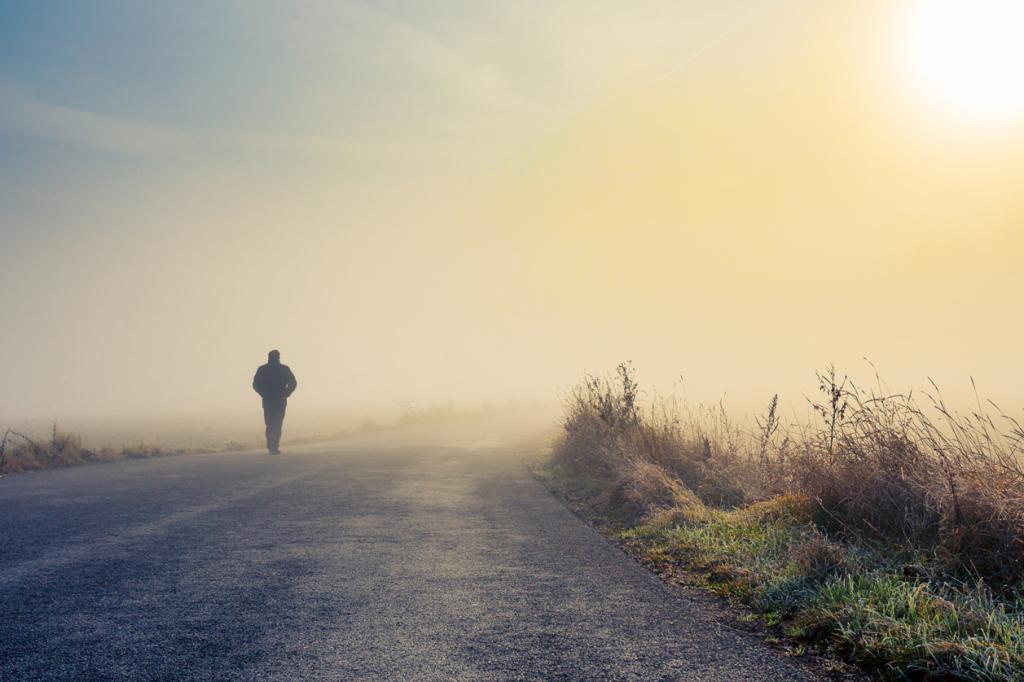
274 382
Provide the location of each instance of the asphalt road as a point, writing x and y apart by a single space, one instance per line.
366 560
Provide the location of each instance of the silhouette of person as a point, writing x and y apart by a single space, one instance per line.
274 382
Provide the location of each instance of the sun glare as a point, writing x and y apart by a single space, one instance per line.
969 55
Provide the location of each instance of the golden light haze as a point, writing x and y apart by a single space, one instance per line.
510 195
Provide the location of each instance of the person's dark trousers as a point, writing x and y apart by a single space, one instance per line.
273 417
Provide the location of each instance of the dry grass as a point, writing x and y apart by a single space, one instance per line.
19 452
928 479
876 466
891 531
607 432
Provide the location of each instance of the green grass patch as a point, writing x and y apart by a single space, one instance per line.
874 610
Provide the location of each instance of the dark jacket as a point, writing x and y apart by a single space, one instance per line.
274 382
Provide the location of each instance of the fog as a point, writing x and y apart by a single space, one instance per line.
479 202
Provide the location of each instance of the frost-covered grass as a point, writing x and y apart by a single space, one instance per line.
891 535
19 452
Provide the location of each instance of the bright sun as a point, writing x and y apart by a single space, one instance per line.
969 55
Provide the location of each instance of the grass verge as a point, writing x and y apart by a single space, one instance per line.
855 540
21 453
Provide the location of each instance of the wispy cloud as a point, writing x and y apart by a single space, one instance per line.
22 115
429 92
446 65
331 26
25 116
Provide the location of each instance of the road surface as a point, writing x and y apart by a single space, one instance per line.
368 559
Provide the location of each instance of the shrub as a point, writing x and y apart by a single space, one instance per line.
19 452
875 467
891 532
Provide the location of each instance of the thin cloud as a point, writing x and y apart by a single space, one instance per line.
22 115
25 116
445 64
322 26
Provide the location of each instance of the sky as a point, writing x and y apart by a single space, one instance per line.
479 201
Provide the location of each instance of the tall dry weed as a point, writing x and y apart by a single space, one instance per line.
875 465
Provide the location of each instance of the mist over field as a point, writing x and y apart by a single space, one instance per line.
478 202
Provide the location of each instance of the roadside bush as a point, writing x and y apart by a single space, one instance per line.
608 434
19 452
933 481
875 468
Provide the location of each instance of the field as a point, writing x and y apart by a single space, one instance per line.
33 445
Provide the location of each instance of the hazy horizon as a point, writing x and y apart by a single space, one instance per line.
477 202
